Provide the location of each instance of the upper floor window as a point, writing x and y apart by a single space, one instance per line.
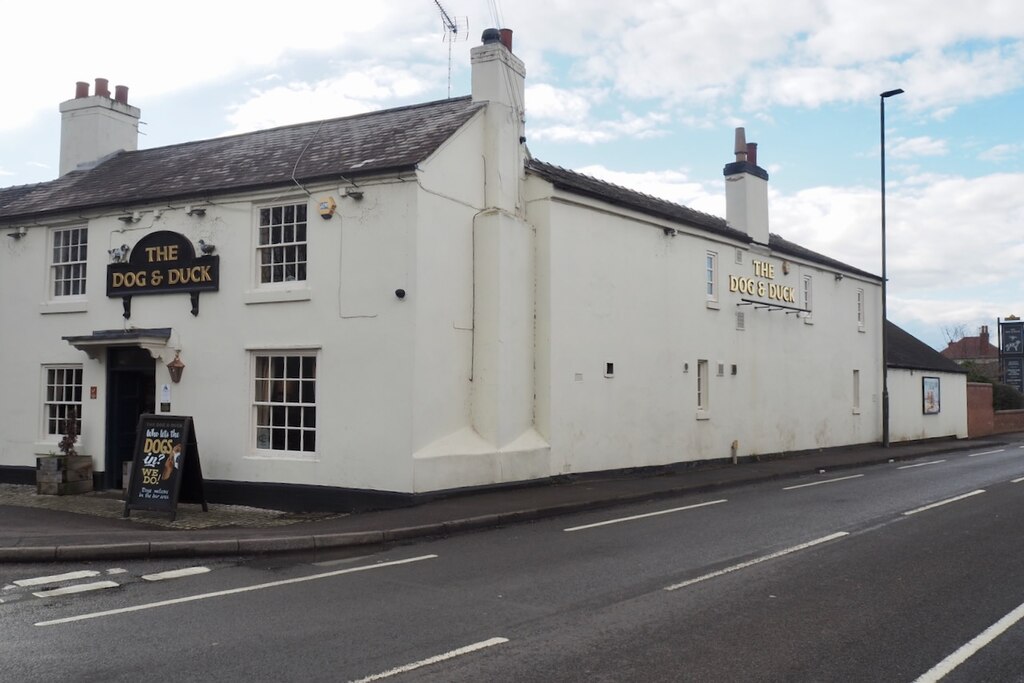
860 309
808 292
281 244
711 275
68 261
703 403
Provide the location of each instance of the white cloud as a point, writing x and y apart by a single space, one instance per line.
672 184
1001 153
587 132
363 89
546 102
924 146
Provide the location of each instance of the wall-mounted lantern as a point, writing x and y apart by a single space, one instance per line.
175 367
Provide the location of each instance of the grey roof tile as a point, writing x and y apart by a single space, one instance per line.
388 140
903 350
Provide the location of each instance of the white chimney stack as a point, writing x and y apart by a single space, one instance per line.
746 191
93 127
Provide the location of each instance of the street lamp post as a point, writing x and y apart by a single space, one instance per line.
885 368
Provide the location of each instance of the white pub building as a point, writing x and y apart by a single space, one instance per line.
359 311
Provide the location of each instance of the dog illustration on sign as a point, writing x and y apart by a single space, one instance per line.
172 463
1012 345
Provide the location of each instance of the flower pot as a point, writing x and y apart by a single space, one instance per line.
59 475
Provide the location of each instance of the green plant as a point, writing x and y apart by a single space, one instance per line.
69 426
1005 397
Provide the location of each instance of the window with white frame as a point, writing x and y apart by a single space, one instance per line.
711 275
860 309
69 249
856 392
284 402
281 244
808 295
702 386
62 400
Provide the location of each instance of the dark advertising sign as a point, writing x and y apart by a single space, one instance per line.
165 465
1013 369
163 262
1012 338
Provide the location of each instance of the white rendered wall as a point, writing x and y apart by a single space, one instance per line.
907 420
347 311
617 289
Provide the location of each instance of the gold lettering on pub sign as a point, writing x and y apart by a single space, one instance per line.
161 262
761 286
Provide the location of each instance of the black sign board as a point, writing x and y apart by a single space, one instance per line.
1012 338
165 466
163 262
1013 369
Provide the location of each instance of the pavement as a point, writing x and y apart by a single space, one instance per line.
91 526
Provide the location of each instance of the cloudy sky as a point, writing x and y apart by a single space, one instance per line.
642 94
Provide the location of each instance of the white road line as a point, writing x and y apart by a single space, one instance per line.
77 588
920 464
750 563
649 514
943 502
175 573
816 483
57 578
975 455
232 591
434 660
940 670
1017 481
116 570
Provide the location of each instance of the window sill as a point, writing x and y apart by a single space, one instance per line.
713 305
856 411
77 306
273 296
808 320
283 455
861 329
703 415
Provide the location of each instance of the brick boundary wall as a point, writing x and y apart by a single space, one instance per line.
983 420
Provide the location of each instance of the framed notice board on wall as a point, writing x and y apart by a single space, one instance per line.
165 466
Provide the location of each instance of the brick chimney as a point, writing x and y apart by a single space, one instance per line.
983 342
92 128
746 191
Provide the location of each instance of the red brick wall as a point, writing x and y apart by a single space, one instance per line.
1009 421
982 420
980 416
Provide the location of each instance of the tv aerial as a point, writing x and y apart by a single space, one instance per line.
454 29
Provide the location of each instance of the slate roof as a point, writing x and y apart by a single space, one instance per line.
903 350
631 199
389 140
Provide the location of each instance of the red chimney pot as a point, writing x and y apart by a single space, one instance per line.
81 89
121 93
752 153
102 87
506 38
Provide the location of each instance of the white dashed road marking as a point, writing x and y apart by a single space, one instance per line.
56 578
78 588
818 483
434 660
920 464
944 502
643 516
175 573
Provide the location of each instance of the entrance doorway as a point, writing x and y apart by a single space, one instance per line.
131 391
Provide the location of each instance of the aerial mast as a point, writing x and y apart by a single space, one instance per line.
454 29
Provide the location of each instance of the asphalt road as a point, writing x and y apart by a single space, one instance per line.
826 578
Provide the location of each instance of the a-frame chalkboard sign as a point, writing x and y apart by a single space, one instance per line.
165 465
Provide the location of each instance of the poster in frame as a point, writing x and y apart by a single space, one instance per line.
931 400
